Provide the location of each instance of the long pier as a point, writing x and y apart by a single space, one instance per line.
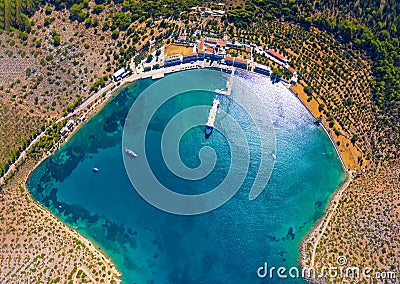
217 103
214 110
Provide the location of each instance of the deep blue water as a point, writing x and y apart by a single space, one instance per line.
226 245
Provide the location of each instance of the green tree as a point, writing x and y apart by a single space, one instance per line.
115 34
149 58
308 90
97 9
56 40
88 22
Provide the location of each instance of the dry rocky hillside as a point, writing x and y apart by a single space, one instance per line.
42 75
41 79
37 246
365 228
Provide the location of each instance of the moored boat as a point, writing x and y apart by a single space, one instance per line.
130 153
208 131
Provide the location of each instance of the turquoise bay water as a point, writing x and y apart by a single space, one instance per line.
226 245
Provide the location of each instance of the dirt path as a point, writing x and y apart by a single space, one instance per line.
78 110
331 210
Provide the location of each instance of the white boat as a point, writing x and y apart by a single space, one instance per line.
96 170
273 156
130 153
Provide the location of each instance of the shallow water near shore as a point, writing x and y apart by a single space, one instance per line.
226 245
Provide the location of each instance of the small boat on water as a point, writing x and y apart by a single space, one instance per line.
96 170
208 131
130 153
273 156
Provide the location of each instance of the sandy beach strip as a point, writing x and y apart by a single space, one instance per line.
310 243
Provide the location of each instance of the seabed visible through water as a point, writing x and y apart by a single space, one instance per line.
226 245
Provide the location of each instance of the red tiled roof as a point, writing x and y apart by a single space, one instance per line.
291 70
210 39
222 43
277 55
201 45
237 59
241 60
209 50
191 54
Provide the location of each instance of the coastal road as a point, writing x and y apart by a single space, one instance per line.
93 98
87 102
22 156
81 107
